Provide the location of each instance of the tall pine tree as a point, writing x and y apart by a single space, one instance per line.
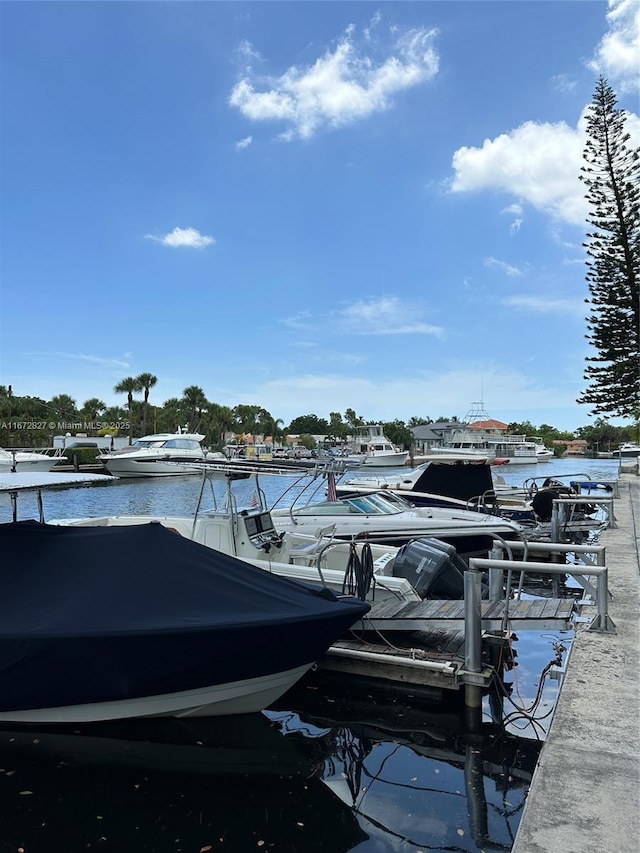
612 178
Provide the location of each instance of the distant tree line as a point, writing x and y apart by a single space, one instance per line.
32 422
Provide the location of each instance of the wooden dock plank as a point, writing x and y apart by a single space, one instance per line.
436 614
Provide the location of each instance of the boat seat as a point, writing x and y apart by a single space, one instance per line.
305 554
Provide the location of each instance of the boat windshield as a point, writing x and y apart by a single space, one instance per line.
360 505
373 504
393 501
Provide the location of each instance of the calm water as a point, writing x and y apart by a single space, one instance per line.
336 765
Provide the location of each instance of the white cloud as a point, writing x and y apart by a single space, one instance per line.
183 237
122 363
508 393
539 163
508 269
244 143
387 315
618 54
563 83
300 320
548 305
515 209
341 87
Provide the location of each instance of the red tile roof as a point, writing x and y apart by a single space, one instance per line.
490 424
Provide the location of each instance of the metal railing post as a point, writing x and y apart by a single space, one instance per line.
472 635
496 576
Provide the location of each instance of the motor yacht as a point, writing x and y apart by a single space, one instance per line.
162 454
372 448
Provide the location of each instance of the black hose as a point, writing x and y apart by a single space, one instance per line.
354 569
366 558
359 574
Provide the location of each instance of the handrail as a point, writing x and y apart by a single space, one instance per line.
601 623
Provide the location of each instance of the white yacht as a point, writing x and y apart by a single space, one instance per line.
543 454
162 454
628 450
371 447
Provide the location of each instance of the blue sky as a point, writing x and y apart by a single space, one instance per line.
307 206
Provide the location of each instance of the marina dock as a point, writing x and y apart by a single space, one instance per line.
585 793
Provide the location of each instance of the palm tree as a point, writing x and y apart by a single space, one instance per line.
129 386
278 430
147 381
220 421
64 407
92 408
194 397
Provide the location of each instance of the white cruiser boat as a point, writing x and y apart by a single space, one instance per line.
543 454
28 460
162 454
628 450
371 447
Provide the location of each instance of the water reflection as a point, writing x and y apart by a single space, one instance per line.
411 769
334 766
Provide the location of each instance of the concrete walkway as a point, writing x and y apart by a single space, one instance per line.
585 793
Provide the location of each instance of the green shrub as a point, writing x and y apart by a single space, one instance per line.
84 455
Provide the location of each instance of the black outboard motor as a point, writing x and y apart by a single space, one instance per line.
542 504
433 568
542 501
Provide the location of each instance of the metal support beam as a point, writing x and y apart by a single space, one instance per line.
472 636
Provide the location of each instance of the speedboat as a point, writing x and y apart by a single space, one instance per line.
105 623
387 516
162 454
28 460
371 447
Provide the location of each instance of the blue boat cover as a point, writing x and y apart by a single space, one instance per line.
91 614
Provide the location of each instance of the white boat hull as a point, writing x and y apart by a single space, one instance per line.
626 453
143 468
44 463
238 697
379 460
385 460
25 462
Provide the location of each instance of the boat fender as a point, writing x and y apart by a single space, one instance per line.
372 447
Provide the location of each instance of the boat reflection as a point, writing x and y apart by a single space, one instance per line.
410 768
332 767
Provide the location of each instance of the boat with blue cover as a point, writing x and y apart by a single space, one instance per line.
104 623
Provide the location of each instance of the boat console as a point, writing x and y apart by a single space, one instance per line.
261 530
